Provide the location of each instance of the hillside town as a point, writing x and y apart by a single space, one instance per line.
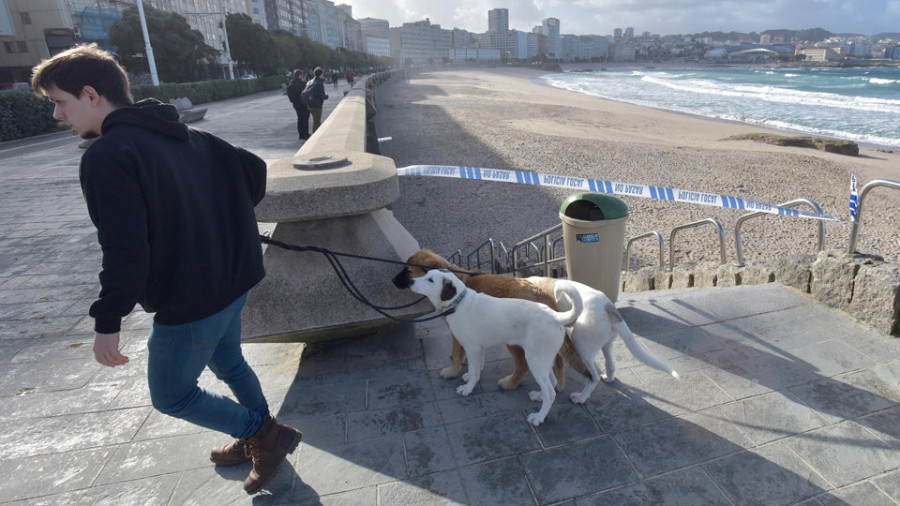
31 30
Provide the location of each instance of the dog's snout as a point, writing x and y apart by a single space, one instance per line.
403 279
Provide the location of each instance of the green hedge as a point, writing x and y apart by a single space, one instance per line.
22 114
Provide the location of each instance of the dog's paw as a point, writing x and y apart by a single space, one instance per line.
464 390
465 376
507 383
578 397
608 378
450 372
534 395
535 419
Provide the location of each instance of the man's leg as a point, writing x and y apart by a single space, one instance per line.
177 356
317 117
303 124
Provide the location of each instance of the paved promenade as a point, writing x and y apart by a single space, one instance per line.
781 401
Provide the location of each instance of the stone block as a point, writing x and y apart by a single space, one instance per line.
706 274
758 272
832 278
682 277
795 271
876 297
640 280
729 275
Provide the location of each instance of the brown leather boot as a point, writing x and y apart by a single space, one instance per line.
268 448
230 454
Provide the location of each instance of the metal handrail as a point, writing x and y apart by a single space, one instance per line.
854 232
659 237
455 258
738 243
477 255
696 224
545 255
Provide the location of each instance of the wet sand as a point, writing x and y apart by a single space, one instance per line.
507 118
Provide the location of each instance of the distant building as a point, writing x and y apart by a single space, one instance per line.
819 54
498 21
550 29
585 48
892 52
420 43
32 30
376 36
621 51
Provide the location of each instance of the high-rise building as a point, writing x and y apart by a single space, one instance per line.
376 36
498 20
550 29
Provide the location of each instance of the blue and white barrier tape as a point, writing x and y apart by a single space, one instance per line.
854 197
612 187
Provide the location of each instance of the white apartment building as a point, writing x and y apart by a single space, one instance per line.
585 47
376 36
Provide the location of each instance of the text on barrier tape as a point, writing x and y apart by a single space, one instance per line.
611 187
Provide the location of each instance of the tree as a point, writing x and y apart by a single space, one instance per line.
252 46
180 53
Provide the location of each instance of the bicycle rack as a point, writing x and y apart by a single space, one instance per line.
854 232
659 237
713 221
738 244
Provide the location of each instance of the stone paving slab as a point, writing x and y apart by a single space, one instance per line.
782 400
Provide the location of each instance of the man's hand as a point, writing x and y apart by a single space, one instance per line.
106 350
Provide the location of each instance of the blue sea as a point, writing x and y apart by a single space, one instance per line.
861 104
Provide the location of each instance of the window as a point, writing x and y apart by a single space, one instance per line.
23 47
10 47
26 18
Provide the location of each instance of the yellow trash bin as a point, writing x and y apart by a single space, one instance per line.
594 235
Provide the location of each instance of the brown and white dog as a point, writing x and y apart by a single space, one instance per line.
479 321
494 285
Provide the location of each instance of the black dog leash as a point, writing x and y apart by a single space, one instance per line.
344 277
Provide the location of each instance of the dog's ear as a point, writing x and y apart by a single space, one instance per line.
448 291
402 279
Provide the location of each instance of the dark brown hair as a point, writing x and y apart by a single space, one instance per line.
80 66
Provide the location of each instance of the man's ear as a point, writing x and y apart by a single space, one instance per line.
91 93
448 291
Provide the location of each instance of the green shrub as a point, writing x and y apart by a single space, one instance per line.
23 114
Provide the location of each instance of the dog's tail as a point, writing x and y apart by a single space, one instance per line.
568 291
639 352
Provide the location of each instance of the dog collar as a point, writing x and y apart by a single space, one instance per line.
450 308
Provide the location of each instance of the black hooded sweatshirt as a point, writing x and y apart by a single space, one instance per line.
173 207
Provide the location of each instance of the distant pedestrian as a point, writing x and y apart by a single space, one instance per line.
335 77
173 207
350 78
295 95
315 89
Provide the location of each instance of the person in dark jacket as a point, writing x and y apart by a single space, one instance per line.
317 97
173 208
294 92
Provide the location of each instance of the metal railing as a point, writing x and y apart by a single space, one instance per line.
492 254
712 221
544 256
738 243
854 232
659 237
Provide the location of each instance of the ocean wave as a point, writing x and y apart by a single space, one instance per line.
878 80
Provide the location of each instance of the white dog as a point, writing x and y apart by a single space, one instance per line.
479 320
595 329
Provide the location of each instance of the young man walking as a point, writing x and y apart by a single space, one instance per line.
316 97
294 93
173 207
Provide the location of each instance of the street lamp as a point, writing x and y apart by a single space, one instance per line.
153 74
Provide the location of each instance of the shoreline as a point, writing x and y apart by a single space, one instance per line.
689 66
509 118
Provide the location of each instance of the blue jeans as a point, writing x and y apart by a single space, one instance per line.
179 353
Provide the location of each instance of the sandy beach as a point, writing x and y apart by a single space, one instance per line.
507 118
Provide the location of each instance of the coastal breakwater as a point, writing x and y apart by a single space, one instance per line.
863 286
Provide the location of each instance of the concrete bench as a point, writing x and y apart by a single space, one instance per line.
187 113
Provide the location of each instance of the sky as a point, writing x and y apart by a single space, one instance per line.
663 17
